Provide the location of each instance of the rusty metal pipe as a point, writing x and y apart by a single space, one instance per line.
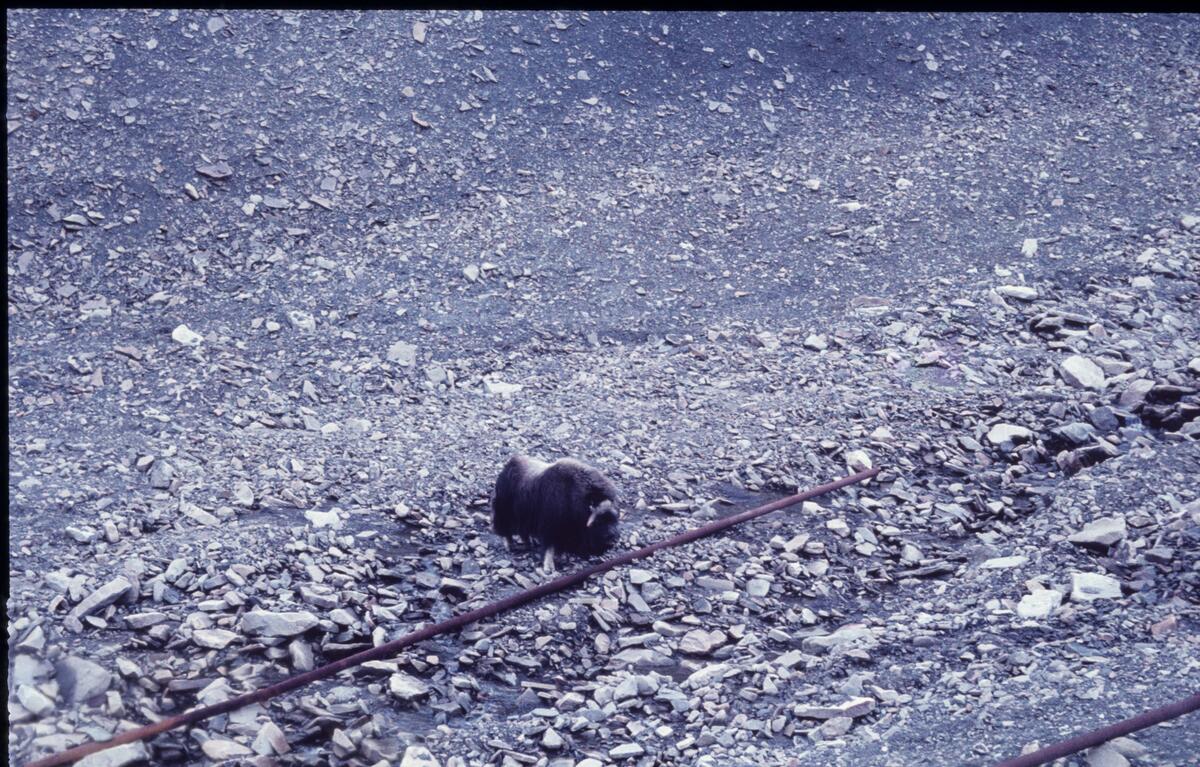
1105 734
452 624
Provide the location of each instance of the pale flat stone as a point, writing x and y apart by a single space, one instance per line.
1082 373
1007 432
1004 563
1019 292
186 336
1039 604
1086 587
853 708
418 756
407 687
851 634
214 639
262 623
103 596
1101 532
80 679
117 756
220 750
500 387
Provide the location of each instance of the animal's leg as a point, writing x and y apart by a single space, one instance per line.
548 561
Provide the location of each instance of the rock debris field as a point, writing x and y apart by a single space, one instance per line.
285 289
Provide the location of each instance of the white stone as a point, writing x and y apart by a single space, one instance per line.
403 354
117 756
854 633
418 756
1086 587
704 676
1007 432
103 596
858 460
221 750
34 700
853 708
329 518
1082 373
1004 563
1019 292
701 642
816 342
186 336
213 639
500 387
284 624
407 687
1039 604
1029 247
302 320
626 751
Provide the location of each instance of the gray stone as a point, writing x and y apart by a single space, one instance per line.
1076 433
500 387
1082 373
80 680
302 320
853 708
1086 587
103 596
436 374
1104 419
219 749
161 475
117 756
833 728
701 642
642 658
704 676
854 633
262 623
214 639
403 354
1106 756
1135 393
34 700
1100 533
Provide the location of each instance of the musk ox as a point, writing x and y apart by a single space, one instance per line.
563 506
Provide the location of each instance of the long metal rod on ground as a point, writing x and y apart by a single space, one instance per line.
1105 734
452 624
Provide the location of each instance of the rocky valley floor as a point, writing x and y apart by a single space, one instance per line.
286 289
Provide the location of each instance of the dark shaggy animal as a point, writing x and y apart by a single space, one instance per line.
564 506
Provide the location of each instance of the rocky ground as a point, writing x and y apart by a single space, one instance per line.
286 288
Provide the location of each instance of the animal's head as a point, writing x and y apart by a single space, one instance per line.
601 530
